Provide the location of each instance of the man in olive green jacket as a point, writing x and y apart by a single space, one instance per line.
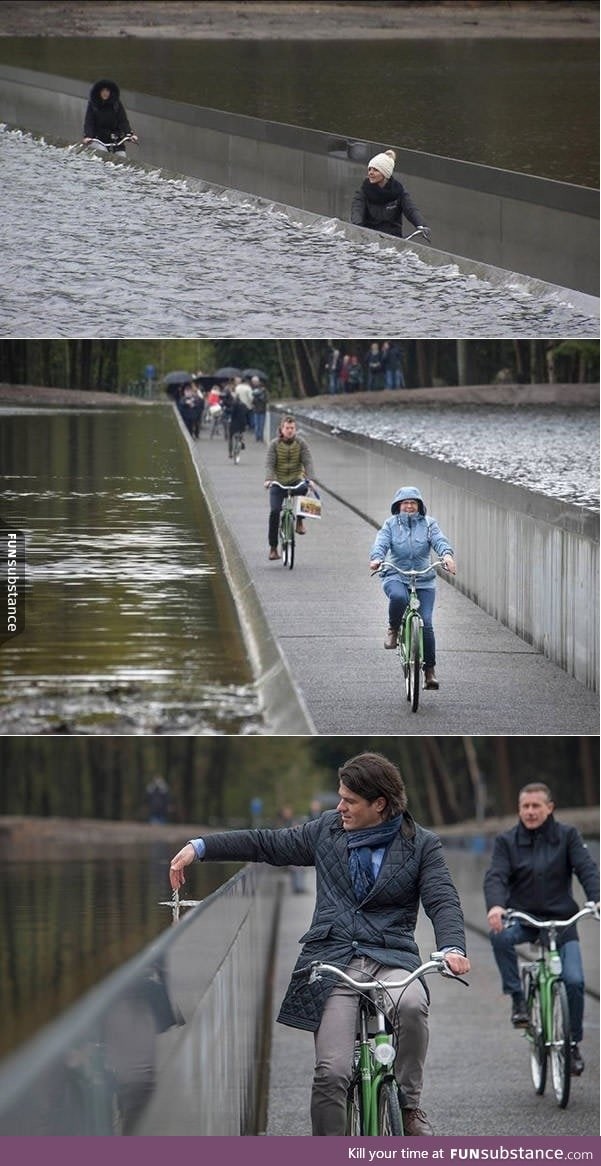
289 462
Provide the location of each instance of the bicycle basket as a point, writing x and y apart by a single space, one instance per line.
307 507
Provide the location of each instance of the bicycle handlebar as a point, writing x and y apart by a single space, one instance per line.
112 145
303 482
589 909
409 571
418 231
436 963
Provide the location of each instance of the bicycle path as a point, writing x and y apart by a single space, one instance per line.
477 1079
328 617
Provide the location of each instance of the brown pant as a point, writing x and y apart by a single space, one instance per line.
335 1039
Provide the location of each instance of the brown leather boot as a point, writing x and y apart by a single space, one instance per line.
415 1123
430 679
300 526
390 640
274 553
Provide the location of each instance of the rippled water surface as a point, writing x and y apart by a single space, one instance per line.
554 451
115 250
130 627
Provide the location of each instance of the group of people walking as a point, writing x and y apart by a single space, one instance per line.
240 404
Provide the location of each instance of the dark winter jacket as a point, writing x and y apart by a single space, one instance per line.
381 926
532 870
382 207
105 120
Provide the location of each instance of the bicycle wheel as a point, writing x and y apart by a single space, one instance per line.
414 666
390 1122
535 1034
560 1053
236 448
287 539
354 1109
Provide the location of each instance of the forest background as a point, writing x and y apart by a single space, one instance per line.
214 779
293 368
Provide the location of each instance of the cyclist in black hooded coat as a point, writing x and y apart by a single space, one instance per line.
106 118
381 200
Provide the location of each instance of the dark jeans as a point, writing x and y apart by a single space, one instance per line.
259 426
398 598
276 497
572 973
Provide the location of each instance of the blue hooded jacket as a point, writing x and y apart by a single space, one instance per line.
407 539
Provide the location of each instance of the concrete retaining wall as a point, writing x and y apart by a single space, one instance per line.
170 1044
520 223
530 561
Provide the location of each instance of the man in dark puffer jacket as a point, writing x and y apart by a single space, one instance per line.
374 866
381 200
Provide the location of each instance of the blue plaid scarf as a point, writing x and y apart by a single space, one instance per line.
360 845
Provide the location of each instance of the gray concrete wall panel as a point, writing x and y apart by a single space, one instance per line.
535 226
170 1043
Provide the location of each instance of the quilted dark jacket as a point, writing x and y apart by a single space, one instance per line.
381 926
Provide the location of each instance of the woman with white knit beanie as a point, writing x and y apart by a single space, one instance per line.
382 200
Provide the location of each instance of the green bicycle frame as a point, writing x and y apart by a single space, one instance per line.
287 520
404 641
544 973
372 1076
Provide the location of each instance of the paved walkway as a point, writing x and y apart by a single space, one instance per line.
477 1072
329 617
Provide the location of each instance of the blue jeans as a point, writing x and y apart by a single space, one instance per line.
398 598
572 972
259 426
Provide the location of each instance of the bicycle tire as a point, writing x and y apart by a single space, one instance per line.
354 1109
535 1034
284 536
414 665
402 651
390 1121
236 449
560 1051
291 546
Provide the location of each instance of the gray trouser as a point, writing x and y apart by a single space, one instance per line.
335 1039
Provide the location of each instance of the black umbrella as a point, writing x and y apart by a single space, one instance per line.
255 372
177 378
224 374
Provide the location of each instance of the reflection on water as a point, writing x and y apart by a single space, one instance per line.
496 101
130 626
204 263
64 925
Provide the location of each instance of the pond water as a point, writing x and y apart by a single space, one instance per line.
496 101
117 250
553 451
130 625
64 925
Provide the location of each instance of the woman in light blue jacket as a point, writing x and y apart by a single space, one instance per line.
406 540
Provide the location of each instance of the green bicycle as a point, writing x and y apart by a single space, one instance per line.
287 527
374 1107
410 642
548 1031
